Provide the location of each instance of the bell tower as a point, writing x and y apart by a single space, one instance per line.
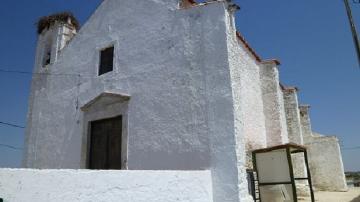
54 33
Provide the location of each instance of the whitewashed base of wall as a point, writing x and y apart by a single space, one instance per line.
23 185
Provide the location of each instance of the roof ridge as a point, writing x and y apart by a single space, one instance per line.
253 52
248 47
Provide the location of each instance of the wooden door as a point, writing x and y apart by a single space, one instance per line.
105 144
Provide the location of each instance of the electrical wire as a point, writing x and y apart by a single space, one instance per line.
10 147
77 76
351 148
2 70
32 73
11 124
14 126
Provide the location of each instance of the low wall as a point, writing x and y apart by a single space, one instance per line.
325 163
20 185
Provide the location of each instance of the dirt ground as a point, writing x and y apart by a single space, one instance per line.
353 195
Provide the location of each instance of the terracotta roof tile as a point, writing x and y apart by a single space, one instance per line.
192 3
252 51
289 88
276 61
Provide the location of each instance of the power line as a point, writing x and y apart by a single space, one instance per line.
351 148
32 73
10 147
73 75
11 125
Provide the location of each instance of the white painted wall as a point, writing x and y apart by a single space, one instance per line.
246 77
293 122
248 108
326 164
23 185
174 64
293 115
325 160
276 128
168 79
305 123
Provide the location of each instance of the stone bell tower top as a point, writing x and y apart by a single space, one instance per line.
55 32
65 18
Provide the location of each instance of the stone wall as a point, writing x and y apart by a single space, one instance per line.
275 120
305 123
325 160
293 115
326 164
295 136
294 128
23 185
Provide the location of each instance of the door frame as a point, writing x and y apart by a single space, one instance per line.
102 112
88 163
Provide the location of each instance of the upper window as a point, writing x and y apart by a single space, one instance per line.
47 58
106 60
47 54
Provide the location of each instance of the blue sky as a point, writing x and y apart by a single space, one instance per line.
312 39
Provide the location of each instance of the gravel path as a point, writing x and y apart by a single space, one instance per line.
353 195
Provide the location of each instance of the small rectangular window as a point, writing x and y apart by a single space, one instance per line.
106 60
47 58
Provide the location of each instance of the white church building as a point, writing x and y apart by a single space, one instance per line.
157 100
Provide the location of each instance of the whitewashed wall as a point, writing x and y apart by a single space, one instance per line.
25 185
174 65
326 164
294 128
293 121
325 160
293 115
248 94
276 128
305 123
248 108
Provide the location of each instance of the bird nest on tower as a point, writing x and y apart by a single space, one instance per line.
47 21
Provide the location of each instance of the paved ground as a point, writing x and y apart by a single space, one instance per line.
353 195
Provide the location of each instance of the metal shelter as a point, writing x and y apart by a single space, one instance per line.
275 179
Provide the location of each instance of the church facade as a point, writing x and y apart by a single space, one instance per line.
165 85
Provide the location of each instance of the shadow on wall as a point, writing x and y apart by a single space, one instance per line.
357 199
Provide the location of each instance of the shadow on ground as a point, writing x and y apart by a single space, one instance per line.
357 199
